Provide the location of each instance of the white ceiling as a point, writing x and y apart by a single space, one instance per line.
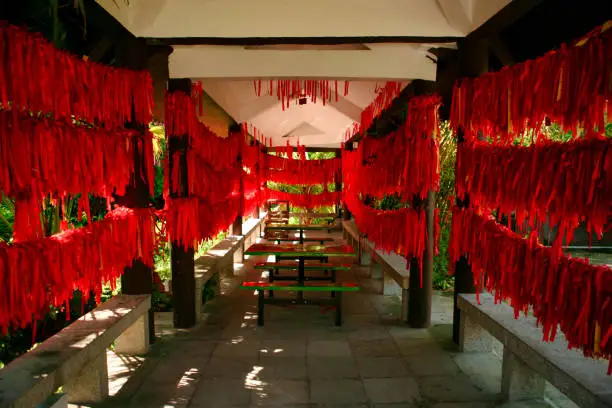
313 124
292 18
377 61
227 71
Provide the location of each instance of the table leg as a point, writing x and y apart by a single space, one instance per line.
260 308
301 236
333 294
271 279
339 309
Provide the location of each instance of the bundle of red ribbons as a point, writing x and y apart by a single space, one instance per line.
213 176
203 180
37 77
301 171
569 86
565 293
80 259
252 192
288 89
405 162
562 182
402 231
385 95
41 156
306 200
181 119
191 220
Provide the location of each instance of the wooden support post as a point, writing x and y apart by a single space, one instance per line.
471 60
137 279
346 214
338 185
420 291
237 225
182 262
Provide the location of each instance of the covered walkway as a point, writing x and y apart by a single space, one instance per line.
300 359
466 142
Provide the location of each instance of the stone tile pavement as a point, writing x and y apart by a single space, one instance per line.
300 359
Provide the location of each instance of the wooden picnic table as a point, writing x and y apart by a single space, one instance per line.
297 227
301 251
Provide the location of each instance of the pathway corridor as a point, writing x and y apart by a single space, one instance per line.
300 359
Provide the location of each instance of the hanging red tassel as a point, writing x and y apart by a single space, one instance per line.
289 171
43 272
67 85
569 86
309 201
382 101
564 293
287 90
559 182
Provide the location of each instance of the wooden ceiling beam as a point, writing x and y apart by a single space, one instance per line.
504 18
255 41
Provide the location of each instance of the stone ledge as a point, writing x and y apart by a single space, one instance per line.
391 263
583 380
31 378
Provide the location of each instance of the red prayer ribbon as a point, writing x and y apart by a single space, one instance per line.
45 272
569 86
565 293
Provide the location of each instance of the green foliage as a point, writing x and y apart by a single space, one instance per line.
444 202
159 153
320 155
162 258
388 202
160 302
7 218
210 288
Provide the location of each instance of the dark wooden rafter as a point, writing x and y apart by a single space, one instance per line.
100 49
254 41
501 51
505 17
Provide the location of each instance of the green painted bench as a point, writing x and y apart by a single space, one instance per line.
320 240
307 266
275 268
334 287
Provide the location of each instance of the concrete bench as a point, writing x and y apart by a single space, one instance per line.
219 260
75 358
351 235
528 361
381 263
391 265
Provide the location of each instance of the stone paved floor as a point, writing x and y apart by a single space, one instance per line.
300 359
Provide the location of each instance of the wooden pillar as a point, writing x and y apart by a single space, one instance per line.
471 60
346 214
182 262
419 295
158 67
338 185
137 279
237 225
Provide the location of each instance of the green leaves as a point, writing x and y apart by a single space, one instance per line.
7 218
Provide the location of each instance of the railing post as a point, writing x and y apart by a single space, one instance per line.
182 262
